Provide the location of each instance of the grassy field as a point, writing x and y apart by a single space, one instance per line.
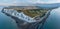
33 13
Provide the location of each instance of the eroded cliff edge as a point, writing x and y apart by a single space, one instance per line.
28 22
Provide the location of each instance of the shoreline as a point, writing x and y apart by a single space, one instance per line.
28 25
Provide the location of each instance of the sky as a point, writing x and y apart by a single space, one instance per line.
22 2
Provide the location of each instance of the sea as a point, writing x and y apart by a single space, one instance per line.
6 22
52 22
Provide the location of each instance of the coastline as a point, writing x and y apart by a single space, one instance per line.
28 25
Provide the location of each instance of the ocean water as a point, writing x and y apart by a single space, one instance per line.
6 22
52 22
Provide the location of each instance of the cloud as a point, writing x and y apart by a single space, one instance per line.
37 1
46 1
22 2
7 4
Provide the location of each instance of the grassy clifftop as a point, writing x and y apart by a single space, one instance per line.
31 11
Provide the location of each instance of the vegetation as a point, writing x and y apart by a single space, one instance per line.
33 13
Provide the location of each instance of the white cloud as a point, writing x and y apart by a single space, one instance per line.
22 2
46 1
7 4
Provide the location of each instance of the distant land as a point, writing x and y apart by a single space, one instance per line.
37 5
48 5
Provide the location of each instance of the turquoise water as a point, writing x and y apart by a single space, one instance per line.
53 21
6 22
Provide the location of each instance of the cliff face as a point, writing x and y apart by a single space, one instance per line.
24 21
20 15
36 14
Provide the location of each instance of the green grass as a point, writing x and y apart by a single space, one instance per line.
33 13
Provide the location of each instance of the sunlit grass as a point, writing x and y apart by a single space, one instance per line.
33 13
